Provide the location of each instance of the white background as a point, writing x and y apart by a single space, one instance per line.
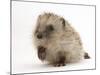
24 15
4 39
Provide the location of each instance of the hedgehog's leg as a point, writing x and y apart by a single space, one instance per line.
61 59
86 56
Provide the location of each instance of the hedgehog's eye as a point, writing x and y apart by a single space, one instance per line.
50 28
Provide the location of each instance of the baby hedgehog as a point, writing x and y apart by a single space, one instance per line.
56 41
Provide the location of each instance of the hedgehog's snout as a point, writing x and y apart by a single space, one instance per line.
45 33
39 36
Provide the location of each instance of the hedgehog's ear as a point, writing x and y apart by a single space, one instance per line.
63 21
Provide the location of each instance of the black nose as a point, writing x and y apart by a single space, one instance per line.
39 36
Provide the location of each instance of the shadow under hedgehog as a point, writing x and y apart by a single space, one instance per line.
56 41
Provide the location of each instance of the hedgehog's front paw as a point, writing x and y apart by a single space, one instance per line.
41 53
60 61
59 64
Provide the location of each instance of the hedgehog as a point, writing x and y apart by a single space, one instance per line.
57 42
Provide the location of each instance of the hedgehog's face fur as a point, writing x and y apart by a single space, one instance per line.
48 25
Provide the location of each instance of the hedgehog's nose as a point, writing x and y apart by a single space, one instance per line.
39 36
